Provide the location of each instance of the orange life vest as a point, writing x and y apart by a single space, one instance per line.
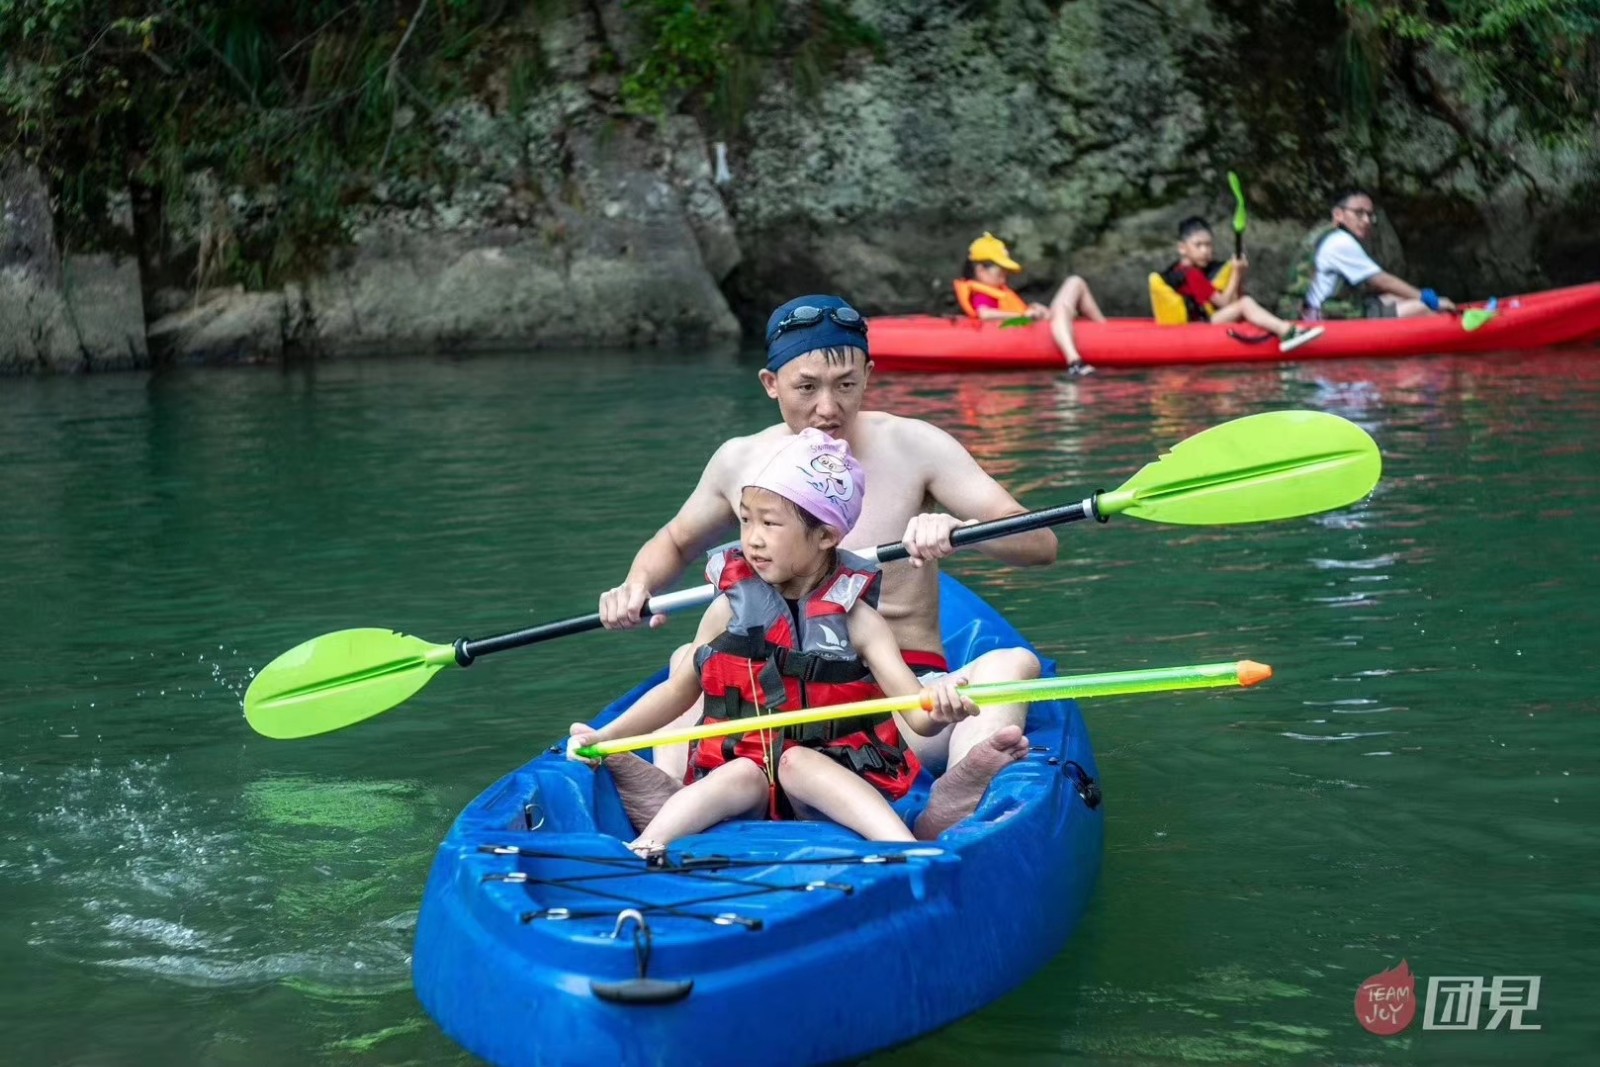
1009 301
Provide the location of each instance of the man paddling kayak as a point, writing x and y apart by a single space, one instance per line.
817 370
1336 278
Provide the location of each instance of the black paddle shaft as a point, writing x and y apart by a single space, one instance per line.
469 650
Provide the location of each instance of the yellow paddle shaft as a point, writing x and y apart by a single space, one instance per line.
1115 683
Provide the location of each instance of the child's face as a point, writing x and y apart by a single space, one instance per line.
990 273
776 541
1197 248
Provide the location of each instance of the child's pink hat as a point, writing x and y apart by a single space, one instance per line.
818 474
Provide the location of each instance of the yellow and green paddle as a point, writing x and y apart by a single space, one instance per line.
1241 218
1244 672
1261 468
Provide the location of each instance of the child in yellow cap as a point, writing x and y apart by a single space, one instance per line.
983 294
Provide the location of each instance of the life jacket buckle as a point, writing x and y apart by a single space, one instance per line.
867 758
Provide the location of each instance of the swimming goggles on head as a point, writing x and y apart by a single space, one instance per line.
806 316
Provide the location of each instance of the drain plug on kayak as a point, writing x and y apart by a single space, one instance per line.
642 989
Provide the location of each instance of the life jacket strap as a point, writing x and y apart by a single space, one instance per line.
732 706
805 666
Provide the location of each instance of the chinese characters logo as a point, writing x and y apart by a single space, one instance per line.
1386 1003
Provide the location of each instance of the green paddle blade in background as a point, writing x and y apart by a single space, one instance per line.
338 679
1261 468
1240 218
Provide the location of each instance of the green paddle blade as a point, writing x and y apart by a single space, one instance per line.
1276 465
1476 318
1240 218
338 679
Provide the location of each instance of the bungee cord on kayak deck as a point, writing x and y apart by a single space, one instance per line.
688 866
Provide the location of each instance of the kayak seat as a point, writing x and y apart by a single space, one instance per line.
1168 307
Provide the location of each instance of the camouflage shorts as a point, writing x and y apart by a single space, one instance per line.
1371 307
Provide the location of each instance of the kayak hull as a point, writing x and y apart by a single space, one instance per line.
931 344
829 947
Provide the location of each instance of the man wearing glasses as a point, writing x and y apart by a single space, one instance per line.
1337 279
817 371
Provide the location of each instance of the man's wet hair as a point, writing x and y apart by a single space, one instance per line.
1192 225
1342 200
838 355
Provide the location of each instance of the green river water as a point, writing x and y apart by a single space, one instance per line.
1419 781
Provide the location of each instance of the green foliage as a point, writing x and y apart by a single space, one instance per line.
298 101
1541 57
714 55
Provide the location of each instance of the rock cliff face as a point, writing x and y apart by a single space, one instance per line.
1081 132
60 311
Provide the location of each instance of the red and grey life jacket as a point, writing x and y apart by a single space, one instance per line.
772 657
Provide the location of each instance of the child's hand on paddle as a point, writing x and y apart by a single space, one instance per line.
582 735
943 700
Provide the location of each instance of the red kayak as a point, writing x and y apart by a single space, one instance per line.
930 344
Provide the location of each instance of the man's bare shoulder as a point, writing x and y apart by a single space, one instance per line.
899 432
734 456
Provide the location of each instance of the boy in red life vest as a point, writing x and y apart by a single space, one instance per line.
1190 277
795 626
983 293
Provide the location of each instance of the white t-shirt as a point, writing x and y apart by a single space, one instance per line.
1339 256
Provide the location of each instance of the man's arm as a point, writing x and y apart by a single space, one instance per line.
966 491
1343 254
1384 282
702 520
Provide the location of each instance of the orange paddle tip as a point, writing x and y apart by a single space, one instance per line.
1253 673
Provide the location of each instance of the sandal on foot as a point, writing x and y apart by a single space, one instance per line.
1297 337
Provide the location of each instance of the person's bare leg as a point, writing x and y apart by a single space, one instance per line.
1075 294
957 792
674 759
1247 309
999 665
644 785
1290 335
1071 300
735 788
820 784
980 747
1061 330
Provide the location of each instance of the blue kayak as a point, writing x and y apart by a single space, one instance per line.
543 941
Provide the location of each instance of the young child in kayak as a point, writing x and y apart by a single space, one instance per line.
795 626
983 294
1190 277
